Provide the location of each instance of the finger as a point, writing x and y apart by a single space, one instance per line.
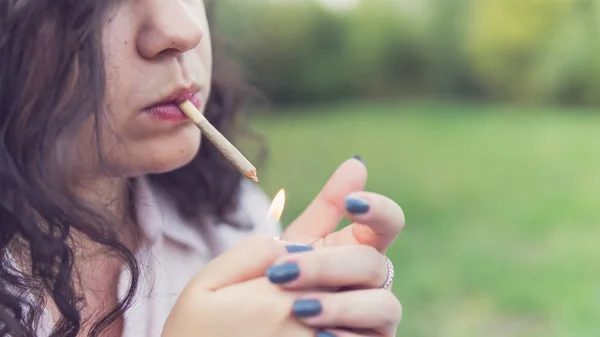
325 212
372 309
245 261
346 266
377 221
345 333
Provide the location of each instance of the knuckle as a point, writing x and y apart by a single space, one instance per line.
196 300
368 251
393 308
377 273
374 263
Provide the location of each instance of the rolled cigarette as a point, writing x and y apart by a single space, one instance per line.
230 152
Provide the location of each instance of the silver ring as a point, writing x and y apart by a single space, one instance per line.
390 273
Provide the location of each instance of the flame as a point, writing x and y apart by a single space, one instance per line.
277 205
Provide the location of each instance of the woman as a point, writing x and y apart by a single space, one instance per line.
118 219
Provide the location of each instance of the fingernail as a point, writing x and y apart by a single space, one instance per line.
307 308
356 205
283 273
359 158
325 334
298 248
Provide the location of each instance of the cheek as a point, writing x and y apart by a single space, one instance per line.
204 53
205 46
120 60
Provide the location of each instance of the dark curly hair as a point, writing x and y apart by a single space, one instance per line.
47 91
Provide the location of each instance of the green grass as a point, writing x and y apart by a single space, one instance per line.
502 207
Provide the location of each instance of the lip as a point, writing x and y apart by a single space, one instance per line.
167 109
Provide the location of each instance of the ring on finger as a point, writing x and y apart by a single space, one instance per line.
390 273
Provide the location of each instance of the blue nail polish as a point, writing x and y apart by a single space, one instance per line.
357 205
325 334
359 158
283 273
298 248
307 308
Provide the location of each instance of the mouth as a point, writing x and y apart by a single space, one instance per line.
167 109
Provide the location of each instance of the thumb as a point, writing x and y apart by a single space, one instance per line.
245 261
326 211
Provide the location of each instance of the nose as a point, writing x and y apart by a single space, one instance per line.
169 28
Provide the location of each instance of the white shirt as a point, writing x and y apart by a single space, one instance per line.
176 252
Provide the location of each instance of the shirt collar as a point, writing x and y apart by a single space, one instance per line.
158 216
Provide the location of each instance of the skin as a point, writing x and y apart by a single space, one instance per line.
152 49
338 261
155 47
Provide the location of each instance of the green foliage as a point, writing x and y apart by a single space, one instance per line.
501 205
541 51
297 51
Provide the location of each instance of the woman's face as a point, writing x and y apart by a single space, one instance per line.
157 53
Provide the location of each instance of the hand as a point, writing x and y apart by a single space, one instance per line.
362 307
377 219
231 297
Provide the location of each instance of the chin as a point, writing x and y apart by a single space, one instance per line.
170 162
162 155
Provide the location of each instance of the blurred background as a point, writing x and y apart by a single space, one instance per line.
477 116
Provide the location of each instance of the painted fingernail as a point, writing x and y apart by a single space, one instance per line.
359 158
325 334
298 248
283 273
356 205
307 308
